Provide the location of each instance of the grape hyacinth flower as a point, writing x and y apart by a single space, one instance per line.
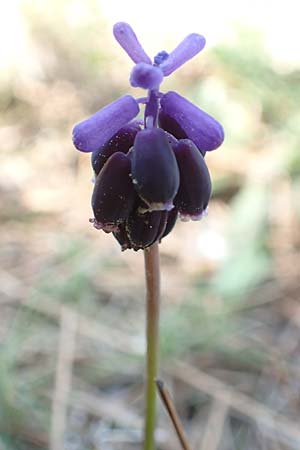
163 165
149 172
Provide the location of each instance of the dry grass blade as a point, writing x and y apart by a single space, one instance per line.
88 327
106 408
63 377
117 411
214 427
286 431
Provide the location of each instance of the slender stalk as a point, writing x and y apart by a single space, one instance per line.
152 272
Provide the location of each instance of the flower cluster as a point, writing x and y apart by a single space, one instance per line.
148 172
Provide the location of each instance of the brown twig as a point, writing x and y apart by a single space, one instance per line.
169 405
214 426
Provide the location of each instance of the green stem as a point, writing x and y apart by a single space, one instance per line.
152 271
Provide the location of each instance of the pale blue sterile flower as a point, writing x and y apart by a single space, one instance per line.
145 76
187 49
92 133
126 37
200 127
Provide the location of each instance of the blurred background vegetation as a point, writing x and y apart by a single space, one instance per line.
72 305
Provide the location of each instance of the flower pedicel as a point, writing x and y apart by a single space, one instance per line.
148 175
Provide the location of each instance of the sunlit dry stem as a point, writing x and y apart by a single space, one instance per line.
152 272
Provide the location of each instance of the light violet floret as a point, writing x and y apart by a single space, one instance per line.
187 49
126 37
205 131
92 133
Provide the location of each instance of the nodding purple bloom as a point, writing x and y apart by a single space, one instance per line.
195 186
114 195
122 237
147 176
143 229
122 141
171 220
155 172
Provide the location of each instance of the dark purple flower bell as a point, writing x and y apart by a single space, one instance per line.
171 220
114 195
122 141
173 128
195 185
155 172
143 229
170 125
143 172
121 236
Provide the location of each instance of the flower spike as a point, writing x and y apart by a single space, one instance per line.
126 37
187 49
92 133
195 185
149 170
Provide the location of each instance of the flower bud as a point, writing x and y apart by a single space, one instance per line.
154 170
200 127
160 57
114 195
195 185
92 133
122 141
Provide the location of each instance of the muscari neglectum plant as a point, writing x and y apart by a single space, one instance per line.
149 172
